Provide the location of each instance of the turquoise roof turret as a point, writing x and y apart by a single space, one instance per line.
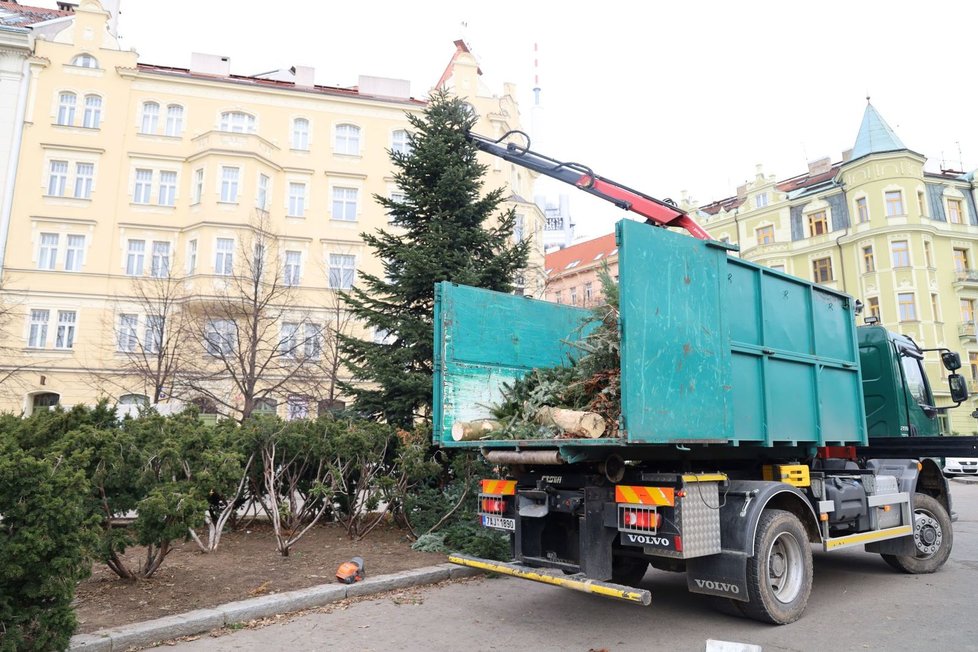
875 135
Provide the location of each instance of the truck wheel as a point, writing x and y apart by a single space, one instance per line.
628 570
779 575
932 538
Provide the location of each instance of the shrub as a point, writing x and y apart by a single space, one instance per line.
45 534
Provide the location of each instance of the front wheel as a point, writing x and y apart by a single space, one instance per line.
779 575
932 538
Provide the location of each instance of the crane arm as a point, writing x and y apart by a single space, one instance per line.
655 211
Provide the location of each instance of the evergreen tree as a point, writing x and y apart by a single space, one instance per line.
450 231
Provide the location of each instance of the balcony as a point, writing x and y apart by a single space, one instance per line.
967 331
966 278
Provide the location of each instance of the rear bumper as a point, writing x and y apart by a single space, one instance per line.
576 582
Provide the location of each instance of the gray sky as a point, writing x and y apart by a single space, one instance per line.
661 96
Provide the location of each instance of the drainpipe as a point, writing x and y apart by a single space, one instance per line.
8 190
838 243
737 229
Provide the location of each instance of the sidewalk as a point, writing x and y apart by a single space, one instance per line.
204 620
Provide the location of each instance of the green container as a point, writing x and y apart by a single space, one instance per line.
715 350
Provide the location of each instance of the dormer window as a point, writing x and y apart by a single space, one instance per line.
85 61
761 200
573 264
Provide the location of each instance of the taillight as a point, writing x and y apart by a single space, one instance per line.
641 519
493 505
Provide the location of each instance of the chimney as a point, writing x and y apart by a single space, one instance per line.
820 166
847 156
304 76
742 191
64 5
210 64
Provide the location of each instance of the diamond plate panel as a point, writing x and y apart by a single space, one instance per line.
698 516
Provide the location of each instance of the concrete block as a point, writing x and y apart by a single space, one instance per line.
91 643
162 629
280 603
455 571
400 580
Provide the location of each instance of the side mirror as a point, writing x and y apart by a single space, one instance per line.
958 387
951 360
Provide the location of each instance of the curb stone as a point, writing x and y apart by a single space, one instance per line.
149 632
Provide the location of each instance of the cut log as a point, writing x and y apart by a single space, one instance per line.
573 422
473 430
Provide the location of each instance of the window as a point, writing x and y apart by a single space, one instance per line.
400 142
300 134
66 109
822 270
920 204
150 119
58 179
588 293
293 267
174 120
907 306
134 399
862 210
224 260
928 260
894 203
558 297
761 200
37 336
873 307
238 122
347 139
312 343
960 260
954 211
261 201
288 342
297 407
126 340
229 184
75 252
973 363
48 252
160 265
777 268
968 310
168 188
345 204
765 235
342 271
398 197
84 176
198 184
142 191
85 61
869 261
901 253
64 338
135 254
519 228
573 296
192 256
297 200
935 307
916 384
220 336
265 406
92 117
817 224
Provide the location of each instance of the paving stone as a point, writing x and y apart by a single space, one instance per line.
398 581
91 643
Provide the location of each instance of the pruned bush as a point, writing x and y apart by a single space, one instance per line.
46 532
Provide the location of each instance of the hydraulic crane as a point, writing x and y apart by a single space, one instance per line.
656 211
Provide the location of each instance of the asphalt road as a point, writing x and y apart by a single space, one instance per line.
857 603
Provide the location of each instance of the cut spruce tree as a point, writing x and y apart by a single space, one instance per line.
444 227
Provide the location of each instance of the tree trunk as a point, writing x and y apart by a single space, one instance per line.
572 422
474 430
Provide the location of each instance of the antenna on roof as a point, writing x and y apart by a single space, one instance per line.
960 158
536 76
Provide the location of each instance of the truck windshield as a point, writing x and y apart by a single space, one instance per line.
915 380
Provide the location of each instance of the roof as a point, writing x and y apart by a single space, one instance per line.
875 135
17 15
461 47
272 83
583 252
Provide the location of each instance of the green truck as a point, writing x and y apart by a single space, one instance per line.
756 419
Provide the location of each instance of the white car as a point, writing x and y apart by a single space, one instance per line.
961 466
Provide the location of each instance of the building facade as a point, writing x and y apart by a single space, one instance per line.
129 173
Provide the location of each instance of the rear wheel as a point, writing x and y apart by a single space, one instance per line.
628 570
932 538
779 575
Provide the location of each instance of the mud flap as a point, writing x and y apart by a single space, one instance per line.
723 575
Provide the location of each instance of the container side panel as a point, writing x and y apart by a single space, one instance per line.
793 401
787 315
833 326
675 340
743 305
485 338
839 398
748 397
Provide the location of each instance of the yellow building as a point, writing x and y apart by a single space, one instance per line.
131 173
877 226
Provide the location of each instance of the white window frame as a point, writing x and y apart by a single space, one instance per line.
135 256
312 343
262 193
57 178
400 142
85 60
37 331
153 334
64 337
198 185
220 337
142 187
47 253
67 101
297 200
224 256
74 255
92 117
342 271
174 120
167 194
345 203
237 122
347 140
127 338
192 256
288 342
149 117
84 179
230 176
292 268
300 134
159 266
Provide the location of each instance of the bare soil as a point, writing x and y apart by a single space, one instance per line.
245 565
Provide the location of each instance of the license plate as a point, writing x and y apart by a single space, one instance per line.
499 522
